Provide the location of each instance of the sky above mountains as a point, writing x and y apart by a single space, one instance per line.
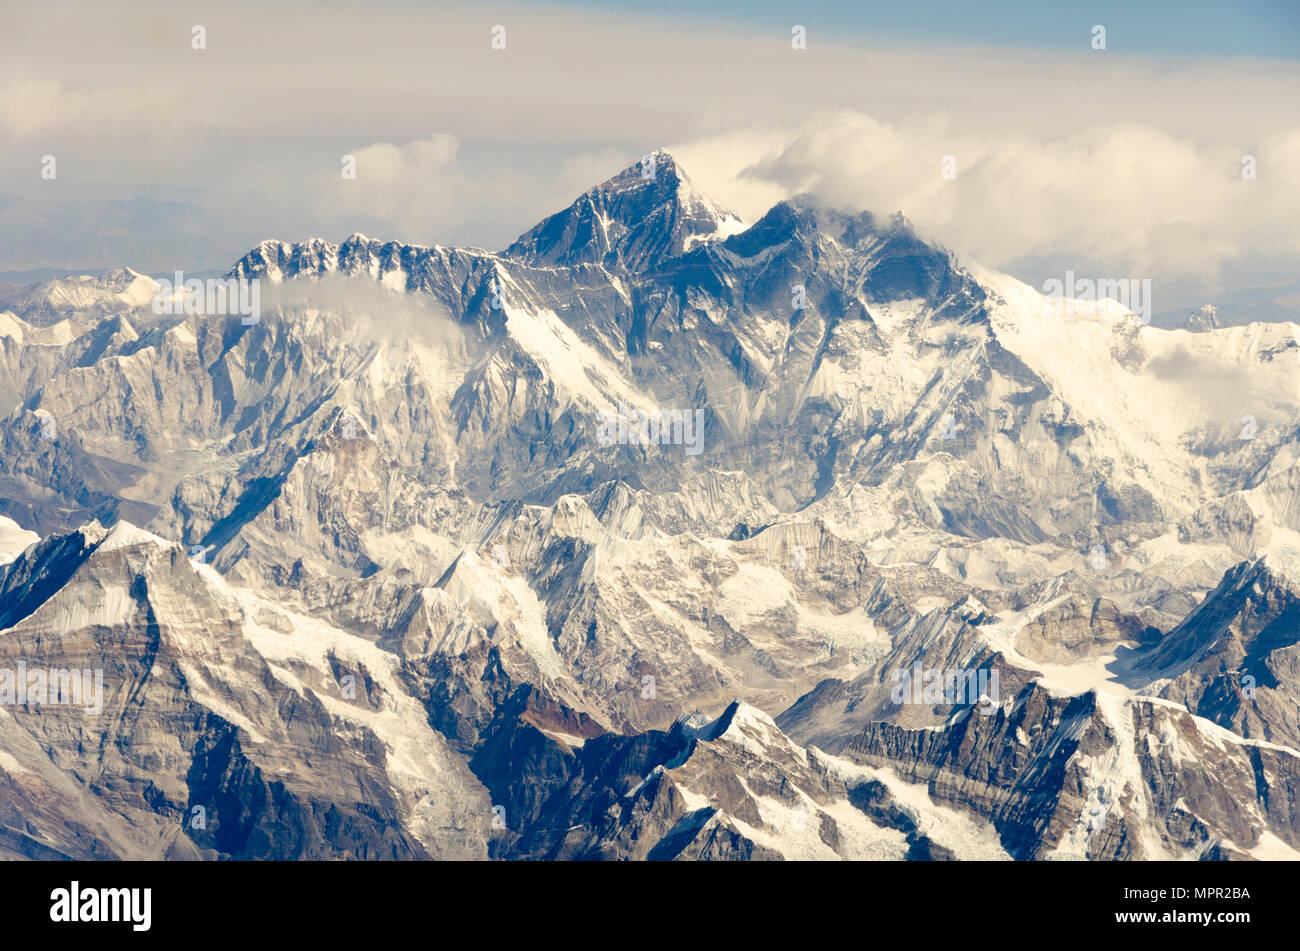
1003 133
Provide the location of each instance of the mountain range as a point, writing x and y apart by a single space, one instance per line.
364 581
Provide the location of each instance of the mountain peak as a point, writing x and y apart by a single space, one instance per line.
1282 565
899 221
645 214
652 168
1204 318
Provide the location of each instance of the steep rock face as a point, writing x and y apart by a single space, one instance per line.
188 715
1096 777
1235 659
733 788
640 218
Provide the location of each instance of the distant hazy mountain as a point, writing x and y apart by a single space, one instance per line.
1210 317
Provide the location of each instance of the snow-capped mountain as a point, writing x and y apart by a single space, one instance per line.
401 569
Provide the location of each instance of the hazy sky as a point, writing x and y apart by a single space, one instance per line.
1122 162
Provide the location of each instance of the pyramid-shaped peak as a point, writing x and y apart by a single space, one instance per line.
657 169
637 219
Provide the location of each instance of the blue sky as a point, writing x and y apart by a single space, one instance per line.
1255 28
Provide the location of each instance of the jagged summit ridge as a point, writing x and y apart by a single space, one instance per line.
642 216
639 219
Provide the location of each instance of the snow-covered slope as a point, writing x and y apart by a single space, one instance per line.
404 473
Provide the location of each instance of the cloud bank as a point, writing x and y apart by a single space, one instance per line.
1098 162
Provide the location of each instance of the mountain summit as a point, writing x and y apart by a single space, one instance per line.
645 214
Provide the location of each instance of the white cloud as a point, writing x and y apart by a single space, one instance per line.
1094 161
1116 200
417 191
